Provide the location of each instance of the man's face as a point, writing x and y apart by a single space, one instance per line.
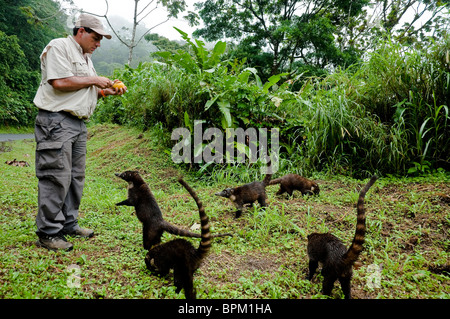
89 42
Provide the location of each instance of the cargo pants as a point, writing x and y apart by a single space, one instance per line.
60 168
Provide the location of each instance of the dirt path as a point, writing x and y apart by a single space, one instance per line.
14 137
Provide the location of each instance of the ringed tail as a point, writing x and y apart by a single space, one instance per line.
205 243
356 247
178 231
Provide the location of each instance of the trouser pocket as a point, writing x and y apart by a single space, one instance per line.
49 155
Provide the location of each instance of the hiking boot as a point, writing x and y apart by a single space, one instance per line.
80 232
54 242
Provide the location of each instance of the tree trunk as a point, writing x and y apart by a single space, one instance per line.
275 63
133 34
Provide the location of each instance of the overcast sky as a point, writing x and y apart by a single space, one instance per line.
125 9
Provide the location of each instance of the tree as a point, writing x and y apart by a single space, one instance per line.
35 23
26 26
407 21
174 7
17 83
318 34
289 29
164 44
112 54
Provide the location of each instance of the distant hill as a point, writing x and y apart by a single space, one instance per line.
113 54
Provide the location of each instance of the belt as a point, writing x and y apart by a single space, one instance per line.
68 114
73 115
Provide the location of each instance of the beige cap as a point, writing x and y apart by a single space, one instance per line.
88 21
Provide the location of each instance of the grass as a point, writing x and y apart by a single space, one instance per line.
407 243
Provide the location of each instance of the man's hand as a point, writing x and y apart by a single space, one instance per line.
115 91
103 83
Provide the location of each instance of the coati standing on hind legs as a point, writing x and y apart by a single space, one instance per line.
337 261
290 182
180 255
148 211
247 194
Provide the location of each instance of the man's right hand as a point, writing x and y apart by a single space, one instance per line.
103 82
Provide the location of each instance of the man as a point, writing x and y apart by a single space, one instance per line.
66 97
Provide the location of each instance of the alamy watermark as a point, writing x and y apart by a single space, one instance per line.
374 276
74 278
251 143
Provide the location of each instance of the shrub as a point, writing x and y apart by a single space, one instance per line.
156 93
409 90
17 84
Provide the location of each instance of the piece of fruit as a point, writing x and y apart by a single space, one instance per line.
118 85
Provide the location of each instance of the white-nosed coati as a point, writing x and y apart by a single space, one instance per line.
180 255
337 261
17 163
148 211
290 182
247 194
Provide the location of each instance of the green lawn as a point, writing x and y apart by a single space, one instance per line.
406 254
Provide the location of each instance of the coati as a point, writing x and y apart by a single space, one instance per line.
337 261
247 194
148 211
17 163
290 182
180 255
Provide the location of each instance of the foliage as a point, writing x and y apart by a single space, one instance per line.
279 27
26 26
243 102
389 114
17 84
157 94
320 34
35 23
372 117
198 85
164 44
415 86
339 136
415 22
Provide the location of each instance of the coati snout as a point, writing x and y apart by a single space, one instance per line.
125 175
131 177
227 192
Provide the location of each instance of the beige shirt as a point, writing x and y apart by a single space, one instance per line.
60 59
